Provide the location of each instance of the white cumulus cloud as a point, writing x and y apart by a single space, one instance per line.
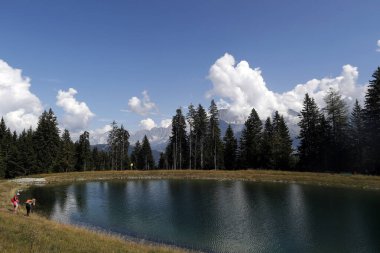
241 88
100 135
18 105
147 124
378 46
165 123
77 114
142 106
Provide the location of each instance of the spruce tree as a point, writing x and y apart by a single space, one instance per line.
66 157
356 136
136 159
200 130
309 134
46 142
230 149
372 123
250 141
267 145
162 161
191 117
214 158
146 154
282 143
27 153
178 142
83 152
14 167
337 117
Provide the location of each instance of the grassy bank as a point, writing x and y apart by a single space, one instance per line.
341 180
19 233
37 234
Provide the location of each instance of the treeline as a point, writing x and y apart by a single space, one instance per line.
44 150
331 139
203 147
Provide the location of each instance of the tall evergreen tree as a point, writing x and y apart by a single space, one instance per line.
214 155
337 117
66 154
191 117
230 149
200 131
250 141
356 134
178 142
146 154
83 152
282 143
46 142
309 134
136 159
372 123
27 153
162 162
267 145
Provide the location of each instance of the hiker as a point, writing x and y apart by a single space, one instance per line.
28 205
15 202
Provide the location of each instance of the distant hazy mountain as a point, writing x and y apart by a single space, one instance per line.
158 137
104 147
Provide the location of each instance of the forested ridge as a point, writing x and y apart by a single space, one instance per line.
331 139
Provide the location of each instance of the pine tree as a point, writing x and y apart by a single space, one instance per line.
372 123
191 117
250 141
200 130
337 117
14 167
66 154
230 149
27 153
178 142
309 134
46 142
162 161
356 134
267 145
136 159
146 154
214 154
282 143
83 152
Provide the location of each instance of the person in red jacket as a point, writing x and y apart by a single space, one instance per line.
15 202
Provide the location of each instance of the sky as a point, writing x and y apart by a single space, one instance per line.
136 62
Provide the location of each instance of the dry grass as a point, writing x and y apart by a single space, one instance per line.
37 234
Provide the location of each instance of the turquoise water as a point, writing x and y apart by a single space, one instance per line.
222 216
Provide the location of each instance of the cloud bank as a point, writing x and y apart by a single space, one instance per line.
378 46
241 88
18 105
142 106
77 114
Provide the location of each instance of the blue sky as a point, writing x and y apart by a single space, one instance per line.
111 51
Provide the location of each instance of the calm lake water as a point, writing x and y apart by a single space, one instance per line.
222 216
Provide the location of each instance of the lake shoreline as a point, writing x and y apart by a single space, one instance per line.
319 179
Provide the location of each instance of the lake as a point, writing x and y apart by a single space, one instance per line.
221 216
